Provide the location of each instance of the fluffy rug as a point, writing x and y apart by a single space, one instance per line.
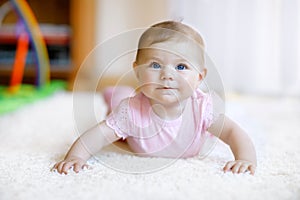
36 136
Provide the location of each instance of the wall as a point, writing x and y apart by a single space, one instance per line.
118 25
255 44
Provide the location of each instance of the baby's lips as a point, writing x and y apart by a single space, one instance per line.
166 87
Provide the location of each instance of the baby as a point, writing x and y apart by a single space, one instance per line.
169 116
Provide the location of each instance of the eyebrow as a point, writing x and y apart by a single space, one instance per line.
179 60
155 58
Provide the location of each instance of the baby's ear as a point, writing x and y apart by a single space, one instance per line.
202 74
135 67
134 64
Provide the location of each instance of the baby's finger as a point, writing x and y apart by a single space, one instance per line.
243 168
59 166
236 167
77 167
252 169
66 167
54 168
228 166
85 166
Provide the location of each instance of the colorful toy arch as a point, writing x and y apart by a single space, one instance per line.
27 30
35 37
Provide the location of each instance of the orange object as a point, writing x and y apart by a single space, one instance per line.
19 63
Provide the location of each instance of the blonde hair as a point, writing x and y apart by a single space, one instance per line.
169 30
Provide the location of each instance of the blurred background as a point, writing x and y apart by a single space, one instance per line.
255 44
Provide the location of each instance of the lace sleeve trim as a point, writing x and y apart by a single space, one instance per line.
119 120
113 125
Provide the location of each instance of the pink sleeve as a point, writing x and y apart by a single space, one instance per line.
208 118
119 119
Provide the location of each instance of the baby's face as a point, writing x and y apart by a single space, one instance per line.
165 77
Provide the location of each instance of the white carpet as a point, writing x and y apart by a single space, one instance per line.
36 136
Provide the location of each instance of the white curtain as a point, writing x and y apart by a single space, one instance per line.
255 44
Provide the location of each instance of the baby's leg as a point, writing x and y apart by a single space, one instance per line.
114 95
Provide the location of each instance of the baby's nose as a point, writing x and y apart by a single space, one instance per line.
167 73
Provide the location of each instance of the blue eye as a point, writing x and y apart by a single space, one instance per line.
155 65
181 67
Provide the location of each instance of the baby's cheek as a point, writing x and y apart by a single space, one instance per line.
146 79
188 84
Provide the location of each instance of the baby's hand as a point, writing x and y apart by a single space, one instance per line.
73 162
240 166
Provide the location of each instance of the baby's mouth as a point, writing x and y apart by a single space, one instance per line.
166 88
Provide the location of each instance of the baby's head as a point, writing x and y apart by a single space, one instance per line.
170 62
174 37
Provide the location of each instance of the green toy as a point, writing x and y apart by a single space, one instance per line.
26 94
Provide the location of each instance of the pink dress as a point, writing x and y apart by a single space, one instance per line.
149 135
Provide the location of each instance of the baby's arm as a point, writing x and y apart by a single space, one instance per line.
85 146
240 145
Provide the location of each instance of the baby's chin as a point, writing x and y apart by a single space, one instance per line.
167 100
